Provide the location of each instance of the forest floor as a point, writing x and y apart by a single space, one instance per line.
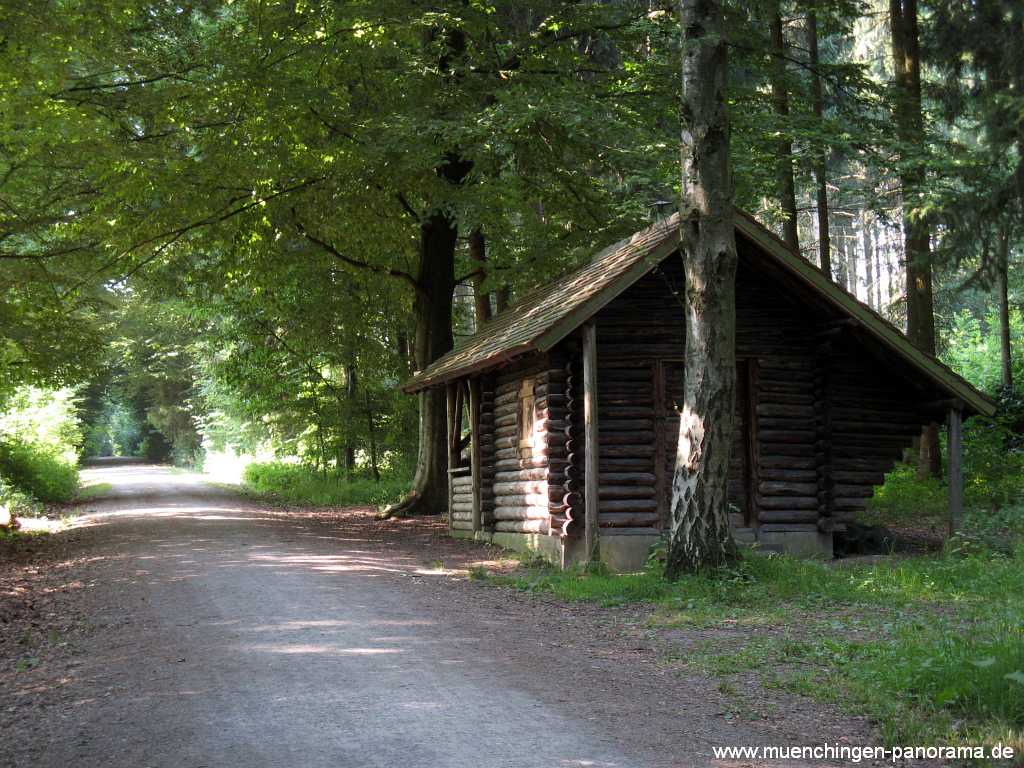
177 624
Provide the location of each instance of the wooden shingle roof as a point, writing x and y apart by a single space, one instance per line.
547 315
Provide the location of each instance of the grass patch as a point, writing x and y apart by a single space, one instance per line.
303 485
931 648
89 492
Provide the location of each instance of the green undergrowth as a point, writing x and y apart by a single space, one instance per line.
302 484
931 647
93 491
38 471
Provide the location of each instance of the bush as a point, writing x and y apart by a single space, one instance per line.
16 503
902 498
994 458
303 484
38 471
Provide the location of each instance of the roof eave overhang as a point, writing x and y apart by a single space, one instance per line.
587 310
418 383
563 327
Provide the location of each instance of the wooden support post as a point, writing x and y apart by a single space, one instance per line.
451 390
475 452
591 477
956 472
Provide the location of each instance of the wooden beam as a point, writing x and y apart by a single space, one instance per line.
590 427
450 390
956 472
475 452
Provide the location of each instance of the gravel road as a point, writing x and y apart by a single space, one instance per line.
221 633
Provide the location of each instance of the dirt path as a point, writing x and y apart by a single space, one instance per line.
178 625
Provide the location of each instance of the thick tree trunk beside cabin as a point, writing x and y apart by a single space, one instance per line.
699 532
432 311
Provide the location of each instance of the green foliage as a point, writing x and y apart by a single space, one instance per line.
978 676
17 502
972 346
114 431
303 484
39 439
38 471
905 499
47 418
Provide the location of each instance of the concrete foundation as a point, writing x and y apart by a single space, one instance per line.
629 553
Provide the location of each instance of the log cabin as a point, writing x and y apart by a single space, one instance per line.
563 411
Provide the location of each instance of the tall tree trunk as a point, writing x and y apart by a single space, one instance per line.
820 176
350 395
432 310
402 349
876 260
916 234
372 436
481 299
502 298
874 289
699 532
1003 288
842 278
785 185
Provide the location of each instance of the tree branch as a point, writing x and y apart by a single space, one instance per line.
375 268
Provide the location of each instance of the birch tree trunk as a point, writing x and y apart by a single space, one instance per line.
699 532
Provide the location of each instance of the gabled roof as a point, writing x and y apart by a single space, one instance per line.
547 315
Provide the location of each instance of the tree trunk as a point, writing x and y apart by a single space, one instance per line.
1002 286
350 394
820 177
784 153
372 436
402 349
874 289
699 532
916 234
502 298
481 299
432 311
877 262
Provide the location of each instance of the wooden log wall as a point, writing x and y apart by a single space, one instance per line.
487 457
819 419
636 330
641 351
526 477
800 461
461 514
875 417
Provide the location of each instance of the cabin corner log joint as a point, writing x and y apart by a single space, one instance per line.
564 409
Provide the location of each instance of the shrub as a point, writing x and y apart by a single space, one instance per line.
903 498
17 503
39 471
303 484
